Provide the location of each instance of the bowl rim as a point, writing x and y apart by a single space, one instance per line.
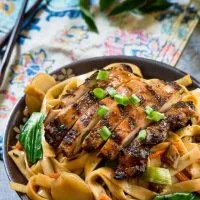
70 65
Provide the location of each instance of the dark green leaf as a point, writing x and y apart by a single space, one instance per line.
156 5
177 196
87 16
127 5
105 4
37 151
31 137
85 4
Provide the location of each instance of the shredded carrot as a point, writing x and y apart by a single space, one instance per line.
18 146
54 175
157 153
182 177
104 197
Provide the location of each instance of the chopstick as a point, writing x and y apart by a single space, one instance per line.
27 15
12 40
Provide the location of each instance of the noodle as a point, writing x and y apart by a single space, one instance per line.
185 186
187 160
117 188
47 166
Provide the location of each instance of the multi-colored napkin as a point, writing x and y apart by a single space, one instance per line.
57 35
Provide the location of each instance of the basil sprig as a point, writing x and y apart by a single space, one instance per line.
127 5
87 16
117 7
105 4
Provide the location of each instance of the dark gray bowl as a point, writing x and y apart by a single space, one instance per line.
149 68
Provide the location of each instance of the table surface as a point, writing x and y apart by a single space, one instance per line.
189 62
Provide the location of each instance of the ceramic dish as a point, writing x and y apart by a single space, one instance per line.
149 68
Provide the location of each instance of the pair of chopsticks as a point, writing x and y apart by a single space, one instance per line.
13 37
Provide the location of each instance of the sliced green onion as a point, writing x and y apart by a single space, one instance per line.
158 175
105 133
102 110
134 100
121 99
111 91
154 115
142 135
99 93
102 75
148 110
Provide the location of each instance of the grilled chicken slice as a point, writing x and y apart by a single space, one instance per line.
53 134
72 96
74 108
71 143
155 94
133 158
118 73
93 141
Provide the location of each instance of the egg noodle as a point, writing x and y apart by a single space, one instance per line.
58 178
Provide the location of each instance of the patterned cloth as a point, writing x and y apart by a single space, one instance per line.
57 35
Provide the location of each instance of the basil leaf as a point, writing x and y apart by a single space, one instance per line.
31 137
105 4
37 151
156 5
177 196
89 20
87 16
85 4
127 5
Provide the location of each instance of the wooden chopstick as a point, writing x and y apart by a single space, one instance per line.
12 40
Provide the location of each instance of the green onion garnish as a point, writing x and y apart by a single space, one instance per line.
142 135
102 75
154 115
121 99
158 175
148 110
111 91
102 110
99 93
134 100
105 133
